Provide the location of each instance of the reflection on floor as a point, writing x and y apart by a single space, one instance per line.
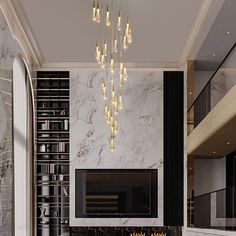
127 231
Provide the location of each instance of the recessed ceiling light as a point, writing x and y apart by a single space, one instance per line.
214 152
190 93
228 143
214 55
228 32
190 168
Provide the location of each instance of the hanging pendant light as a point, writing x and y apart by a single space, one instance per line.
115 36
94 11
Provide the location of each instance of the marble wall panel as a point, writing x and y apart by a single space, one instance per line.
139 144
9 49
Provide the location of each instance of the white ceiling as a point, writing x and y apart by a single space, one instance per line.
63 31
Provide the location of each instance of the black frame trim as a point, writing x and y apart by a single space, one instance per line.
173 148
79 192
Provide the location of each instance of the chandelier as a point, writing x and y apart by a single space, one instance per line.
113 40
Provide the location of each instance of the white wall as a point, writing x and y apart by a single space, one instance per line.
210 175
22 178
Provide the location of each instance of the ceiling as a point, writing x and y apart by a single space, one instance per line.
61 30
230 62
220 39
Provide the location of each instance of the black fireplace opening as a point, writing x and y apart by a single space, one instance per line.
116 193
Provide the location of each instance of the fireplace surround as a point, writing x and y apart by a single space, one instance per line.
116 193
140 144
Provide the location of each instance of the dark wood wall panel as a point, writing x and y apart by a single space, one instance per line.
231 187
173 147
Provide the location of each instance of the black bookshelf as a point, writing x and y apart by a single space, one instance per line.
52 154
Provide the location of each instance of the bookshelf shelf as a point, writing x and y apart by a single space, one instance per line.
52 156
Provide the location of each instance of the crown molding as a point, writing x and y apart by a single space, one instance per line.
28 31
140 69
18 33
94 65
203 23
34 57
196 28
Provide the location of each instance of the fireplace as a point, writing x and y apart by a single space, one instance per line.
116 193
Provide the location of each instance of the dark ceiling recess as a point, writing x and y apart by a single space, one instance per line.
219 40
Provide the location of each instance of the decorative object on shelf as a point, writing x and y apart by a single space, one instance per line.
45 125
62 147
158 234
54 178
61 177
65 191
63 112
52 168
44 213
138 234
43 105
55 213
114 38
66 124
42 148
45 199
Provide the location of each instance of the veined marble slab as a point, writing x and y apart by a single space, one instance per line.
9 50
139 143
3 119
221 84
